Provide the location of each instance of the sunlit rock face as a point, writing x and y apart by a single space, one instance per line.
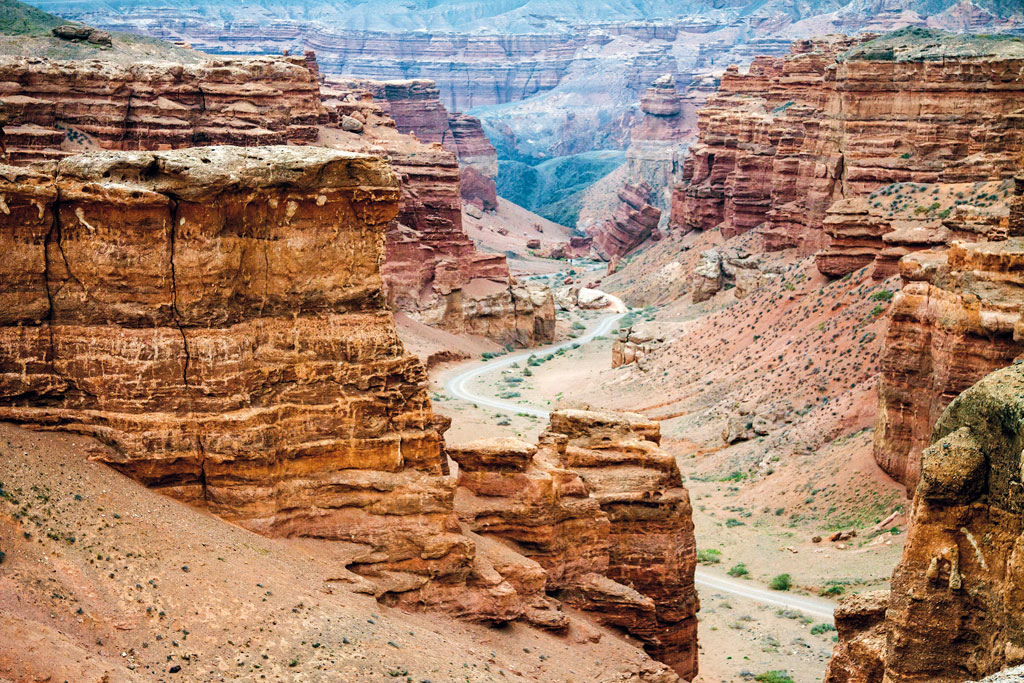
954 610
602 510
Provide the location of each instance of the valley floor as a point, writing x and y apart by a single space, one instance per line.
763 506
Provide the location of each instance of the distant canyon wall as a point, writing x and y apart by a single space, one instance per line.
779 144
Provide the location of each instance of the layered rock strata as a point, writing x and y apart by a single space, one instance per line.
633 223
778 144
657 144
432 269
954 610
957 318
51 108
166 303
601 508
478 160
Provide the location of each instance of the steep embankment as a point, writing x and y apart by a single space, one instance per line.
103 578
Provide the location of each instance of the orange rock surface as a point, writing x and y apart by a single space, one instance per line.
602 509
954 609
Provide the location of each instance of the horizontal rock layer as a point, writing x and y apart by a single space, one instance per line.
166 304
779 144
957 318
602 510
51 108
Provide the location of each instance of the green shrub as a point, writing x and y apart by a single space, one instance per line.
739 570
782 582
831 590
818 629
883 295
709 556
773 677
733 522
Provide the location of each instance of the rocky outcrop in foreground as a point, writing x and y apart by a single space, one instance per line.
835 120
954 612
634 222
602 511
216 317
957 318
167 304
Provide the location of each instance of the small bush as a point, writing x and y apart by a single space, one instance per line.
709 556
577 325
818 629
883 295
732 522
739 570
773 677
831 590
782 582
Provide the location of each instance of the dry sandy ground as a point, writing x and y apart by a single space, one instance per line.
105 580
801 341
509 228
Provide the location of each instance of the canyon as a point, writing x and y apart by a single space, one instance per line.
836 120
259 319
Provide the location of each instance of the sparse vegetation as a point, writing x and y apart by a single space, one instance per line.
782 582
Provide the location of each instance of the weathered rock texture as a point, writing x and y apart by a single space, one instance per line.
957 318
478 160
878 230
859 655
954 611
733 269
432 269
656 149
634 343
778 144
216 316
634 222
49 109
602 510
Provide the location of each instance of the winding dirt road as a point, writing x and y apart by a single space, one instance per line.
707 582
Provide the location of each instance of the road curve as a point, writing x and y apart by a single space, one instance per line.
706 581
456 385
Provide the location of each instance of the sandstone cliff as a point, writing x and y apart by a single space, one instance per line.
656 148
834 120
478 160
634 222
603 512
957 318
954 611
164 303
51 109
